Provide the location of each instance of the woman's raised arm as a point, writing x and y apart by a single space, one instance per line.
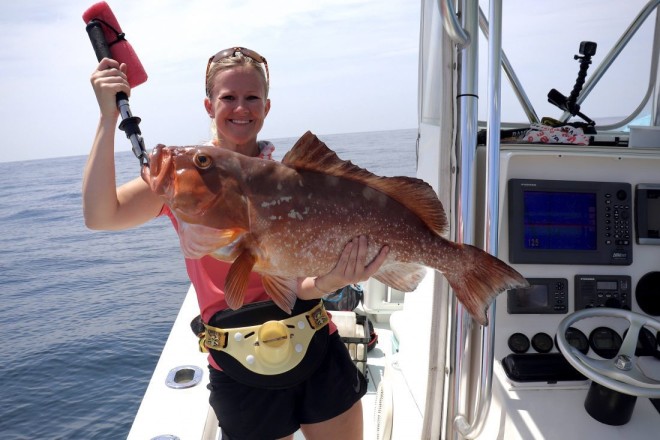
104 205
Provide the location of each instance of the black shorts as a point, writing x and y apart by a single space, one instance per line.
245 412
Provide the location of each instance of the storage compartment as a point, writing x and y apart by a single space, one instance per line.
354 333
539 367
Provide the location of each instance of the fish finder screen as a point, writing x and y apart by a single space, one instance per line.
653 214
559 220
532 297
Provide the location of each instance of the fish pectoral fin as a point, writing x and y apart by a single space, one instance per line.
401 276
237 279
199 240
281 290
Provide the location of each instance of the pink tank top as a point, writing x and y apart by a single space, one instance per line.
208 276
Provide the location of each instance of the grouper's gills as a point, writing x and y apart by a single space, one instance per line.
292 219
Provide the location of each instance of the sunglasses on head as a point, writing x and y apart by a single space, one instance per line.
232 51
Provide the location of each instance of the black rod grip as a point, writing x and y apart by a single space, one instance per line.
129 122
101 48
96 36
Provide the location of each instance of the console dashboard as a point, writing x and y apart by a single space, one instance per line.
583 226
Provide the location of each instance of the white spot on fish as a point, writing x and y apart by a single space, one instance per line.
295 214
273 217
284 199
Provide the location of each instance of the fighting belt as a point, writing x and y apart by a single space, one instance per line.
263 346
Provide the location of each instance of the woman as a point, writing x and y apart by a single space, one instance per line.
327 404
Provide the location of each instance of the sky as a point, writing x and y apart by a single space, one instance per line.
336 66
541 39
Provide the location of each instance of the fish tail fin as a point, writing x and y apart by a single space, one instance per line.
479 278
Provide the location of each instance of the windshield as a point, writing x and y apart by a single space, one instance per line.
540 40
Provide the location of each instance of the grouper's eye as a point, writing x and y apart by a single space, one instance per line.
202 161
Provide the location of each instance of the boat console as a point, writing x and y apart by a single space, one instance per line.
580 223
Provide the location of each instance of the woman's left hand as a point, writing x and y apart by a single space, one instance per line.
352 266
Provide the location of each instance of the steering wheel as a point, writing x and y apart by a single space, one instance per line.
622 373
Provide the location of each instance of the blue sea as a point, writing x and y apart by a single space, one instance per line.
84 314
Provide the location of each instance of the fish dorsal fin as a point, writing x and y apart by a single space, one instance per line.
310 153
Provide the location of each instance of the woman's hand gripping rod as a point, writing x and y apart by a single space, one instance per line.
129 123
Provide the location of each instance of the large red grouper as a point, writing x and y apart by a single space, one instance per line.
292 219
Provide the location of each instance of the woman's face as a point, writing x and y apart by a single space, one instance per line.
238 104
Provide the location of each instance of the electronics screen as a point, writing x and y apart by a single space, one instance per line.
569 222
559 220
544 295
647 213
602 291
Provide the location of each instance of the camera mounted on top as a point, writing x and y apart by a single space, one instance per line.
569 104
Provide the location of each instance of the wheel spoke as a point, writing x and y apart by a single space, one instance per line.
629 344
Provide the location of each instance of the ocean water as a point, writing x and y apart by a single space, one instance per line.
84 314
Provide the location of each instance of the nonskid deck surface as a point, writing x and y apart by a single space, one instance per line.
376 360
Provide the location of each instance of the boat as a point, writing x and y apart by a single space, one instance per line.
571 202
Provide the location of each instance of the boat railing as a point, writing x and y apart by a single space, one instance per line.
491 224
483 389
598 73
614 53
517 87
452 25
464 212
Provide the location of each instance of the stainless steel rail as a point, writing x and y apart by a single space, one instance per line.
517 87
609 59
597 74
451 24
466 126
491 224
655 109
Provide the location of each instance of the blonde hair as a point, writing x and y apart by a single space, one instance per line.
237 60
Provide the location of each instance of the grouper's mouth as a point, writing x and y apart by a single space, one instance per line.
164 175
158 174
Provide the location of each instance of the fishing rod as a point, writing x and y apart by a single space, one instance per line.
101 23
